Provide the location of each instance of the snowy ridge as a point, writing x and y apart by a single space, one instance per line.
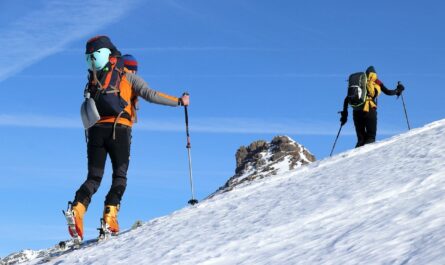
379 204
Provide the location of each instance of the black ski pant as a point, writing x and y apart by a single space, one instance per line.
365 126
101 143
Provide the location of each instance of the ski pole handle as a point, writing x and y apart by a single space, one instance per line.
399 83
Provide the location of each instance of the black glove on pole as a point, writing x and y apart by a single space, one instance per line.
400 87
344 117
192 201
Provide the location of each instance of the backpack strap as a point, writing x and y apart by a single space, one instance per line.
110 79
115 123
116 76
95 81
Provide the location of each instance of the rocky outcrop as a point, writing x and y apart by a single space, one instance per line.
262 159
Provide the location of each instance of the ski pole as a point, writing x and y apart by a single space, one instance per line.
404 108
336 138
192 201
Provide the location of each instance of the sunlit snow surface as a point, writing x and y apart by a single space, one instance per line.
380 204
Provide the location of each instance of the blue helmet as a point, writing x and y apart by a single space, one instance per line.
130 62
98 59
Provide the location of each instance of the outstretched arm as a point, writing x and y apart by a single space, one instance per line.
344 113
389 92
141 88
345 104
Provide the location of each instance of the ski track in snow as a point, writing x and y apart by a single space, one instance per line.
379 204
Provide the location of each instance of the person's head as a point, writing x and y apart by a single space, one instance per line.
371 74
370 69
130 63
98 51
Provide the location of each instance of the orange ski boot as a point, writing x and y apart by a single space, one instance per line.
110 219
74 216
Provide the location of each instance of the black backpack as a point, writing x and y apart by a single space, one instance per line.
357 89
108 100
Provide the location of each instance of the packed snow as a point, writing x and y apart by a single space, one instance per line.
379 204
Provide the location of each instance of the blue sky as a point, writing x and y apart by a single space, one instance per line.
254 69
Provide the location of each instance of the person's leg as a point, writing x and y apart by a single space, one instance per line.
97 155
119 150
359 123
96 163
371 126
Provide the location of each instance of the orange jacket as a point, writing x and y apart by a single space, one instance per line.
132 86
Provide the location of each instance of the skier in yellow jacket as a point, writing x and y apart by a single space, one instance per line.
365 118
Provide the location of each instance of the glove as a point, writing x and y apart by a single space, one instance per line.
344 117
184 100
399 89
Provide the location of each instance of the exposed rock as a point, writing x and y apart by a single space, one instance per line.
250 156
262 159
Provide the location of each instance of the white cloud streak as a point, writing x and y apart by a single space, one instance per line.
39 121
197 125
47 30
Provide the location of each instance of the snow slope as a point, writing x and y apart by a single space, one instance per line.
379 204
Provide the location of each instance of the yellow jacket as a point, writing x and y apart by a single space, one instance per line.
374 90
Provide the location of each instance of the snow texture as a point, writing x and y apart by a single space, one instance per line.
379 204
